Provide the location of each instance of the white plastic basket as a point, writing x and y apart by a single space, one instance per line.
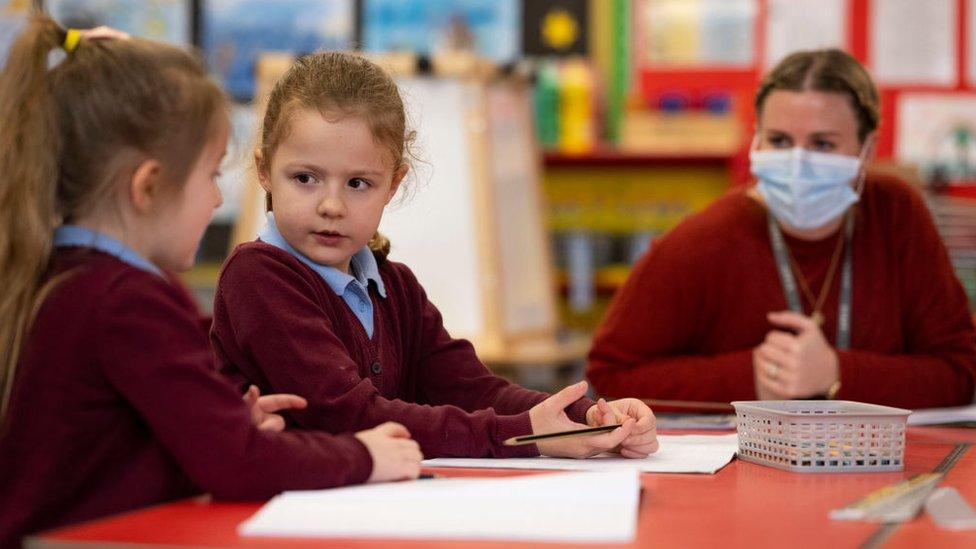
826 436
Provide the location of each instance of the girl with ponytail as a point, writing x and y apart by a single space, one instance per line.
110 400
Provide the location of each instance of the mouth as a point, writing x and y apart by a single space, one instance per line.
328 233
329 236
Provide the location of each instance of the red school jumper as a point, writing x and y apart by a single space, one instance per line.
117 405
278 325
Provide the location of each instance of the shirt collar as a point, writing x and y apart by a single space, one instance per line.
75 235
363 264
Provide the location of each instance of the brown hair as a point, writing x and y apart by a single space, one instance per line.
829 70
339 84
71 134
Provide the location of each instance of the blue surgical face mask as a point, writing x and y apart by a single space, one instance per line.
805 189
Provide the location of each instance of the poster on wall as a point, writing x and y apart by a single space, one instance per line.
234 32
554 27
13 15
971 43
491 28
913 43
164 20
794 25
937 133
696 32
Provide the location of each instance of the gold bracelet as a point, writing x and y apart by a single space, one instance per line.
832 391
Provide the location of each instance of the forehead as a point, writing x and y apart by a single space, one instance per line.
315 136
808 111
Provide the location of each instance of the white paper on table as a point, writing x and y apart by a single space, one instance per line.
569 507
677 454
937 416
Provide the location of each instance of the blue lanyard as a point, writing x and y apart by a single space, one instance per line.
788 280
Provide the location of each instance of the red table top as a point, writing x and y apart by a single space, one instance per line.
743 505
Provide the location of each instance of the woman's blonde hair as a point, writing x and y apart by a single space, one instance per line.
829 70
70 134
339 84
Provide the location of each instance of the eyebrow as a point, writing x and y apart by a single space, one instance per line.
319 169
817 134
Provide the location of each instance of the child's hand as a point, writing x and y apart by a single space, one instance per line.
550 415
642 440
263 408
395 455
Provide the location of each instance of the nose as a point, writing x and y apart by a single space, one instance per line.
332 203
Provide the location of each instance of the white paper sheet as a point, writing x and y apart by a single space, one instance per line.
793 25
677 454
913 43
570 507
937 416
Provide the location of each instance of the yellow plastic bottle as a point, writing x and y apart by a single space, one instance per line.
577 130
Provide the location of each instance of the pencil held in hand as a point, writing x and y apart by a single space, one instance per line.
588 431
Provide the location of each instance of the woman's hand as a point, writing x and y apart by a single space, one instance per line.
550 416
789 365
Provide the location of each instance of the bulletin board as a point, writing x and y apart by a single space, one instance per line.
164 20
911 47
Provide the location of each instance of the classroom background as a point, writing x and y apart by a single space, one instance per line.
557 138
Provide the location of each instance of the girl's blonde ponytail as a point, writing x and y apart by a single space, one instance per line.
30 146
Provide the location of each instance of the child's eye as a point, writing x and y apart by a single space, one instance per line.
305 178
358 183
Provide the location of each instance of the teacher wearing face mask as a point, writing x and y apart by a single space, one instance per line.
818 281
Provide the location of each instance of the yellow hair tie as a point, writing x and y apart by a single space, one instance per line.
71 39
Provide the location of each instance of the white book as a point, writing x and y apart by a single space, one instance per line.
568 507
677 454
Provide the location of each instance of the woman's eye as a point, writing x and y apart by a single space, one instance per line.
780 142
823 146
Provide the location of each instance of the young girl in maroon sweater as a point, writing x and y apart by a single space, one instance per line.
110 398
314 307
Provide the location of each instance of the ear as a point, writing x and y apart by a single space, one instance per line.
145 185
397 179
263 178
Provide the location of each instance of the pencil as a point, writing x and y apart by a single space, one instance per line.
587 431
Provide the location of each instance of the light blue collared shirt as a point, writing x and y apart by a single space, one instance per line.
353 289
73 235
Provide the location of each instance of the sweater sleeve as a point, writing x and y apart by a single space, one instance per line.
451 373
269 312
645 346
937 367
156 356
